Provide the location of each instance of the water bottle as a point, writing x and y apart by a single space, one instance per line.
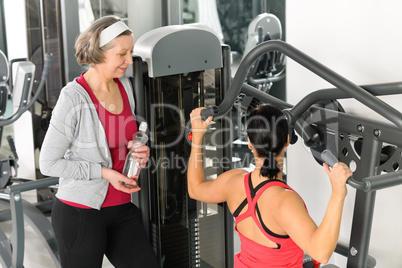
130 168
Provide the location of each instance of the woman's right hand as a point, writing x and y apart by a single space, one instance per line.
199 126
338 176
117 179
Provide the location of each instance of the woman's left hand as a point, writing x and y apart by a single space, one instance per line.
141 154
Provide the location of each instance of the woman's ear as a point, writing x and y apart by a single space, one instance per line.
250 146
287 142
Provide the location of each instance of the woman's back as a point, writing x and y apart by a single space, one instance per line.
263 242
282 210
237 194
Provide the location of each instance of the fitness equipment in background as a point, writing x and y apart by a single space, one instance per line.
373 148
265 74
269 67
15 208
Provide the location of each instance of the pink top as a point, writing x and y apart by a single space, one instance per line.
252 254
119 130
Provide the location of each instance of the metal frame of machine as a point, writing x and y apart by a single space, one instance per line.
378 154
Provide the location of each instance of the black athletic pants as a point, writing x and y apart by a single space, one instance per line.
85 235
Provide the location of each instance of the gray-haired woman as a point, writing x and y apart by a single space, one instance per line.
90 131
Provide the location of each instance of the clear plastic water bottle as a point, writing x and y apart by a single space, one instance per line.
130 168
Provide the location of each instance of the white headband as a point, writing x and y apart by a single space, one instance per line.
111 32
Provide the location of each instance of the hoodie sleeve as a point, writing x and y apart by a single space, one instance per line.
64 149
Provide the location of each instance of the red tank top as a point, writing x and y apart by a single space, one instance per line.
252 254
119 130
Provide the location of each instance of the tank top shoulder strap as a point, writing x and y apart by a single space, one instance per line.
238 217
250 195
253 194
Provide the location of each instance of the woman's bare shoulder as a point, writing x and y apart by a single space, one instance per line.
234 173
281 198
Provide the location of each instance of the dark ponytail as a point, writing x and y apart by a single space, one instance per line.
267 129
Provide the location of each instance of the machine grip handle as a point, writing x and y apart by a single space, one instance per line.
328 157
211 111
12 146
46 65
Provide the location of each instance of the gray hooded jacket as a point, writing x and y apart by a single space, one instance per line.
75 146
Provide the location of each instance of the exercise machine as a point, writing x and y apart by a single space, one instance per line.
372 147
178 68
15 208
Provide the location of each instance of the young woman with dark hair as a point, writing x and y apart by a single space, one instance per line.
272 221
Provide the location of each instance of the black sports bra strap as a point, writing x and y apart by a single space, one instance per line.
240 208
265 227
252 192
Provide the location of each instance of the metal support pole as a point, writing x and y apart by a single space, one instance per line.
227 152
140 110
364 205
17 236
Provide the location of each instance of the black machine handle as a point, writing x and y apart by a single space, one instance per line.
205 113
324 72
12 146
210 111
22 109
372 183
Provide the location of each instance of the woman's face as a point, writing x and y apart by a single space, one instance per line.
119 57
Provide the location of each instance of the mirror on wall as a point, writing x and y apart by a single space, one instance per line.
90 10
233 22
44 36
243 24
231 18
3 40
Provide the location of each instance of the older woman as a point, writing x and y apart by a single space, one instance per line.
91 128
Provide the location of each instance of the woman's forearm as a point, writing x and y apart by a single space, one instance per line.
195 173
325 238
